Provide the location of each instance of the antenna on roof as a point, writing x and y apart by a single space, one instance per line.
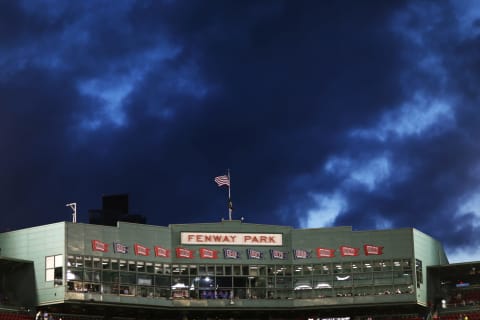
73 206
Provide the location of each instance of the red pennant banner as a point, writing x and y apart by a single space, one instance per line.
141 250
208 253
98 245
161 252
184 253
372 250
325 253
349 251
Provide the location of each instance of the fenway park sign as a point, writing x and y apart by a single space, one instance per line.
217 238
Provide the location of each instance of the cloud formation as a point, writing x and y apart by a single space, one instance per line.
344 113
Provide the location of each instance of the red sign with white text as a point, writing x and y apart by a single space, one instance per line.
184 253
141 250
208 253
161 252
372 250
325 253
98 245
348 251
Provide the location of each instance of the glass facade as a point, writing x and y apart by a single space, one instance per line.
240 281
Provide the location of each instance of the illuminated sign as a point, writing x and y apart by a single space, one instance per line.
217 238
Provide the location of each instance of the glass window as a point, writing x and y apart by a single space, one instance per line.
115 264
105 263
49 274
323 281
302 283
92 276
145 280
363 279
162 281
127 278
237 270
356 267
54 269
49 262
271 270
387 265
132 266
419 272
253 271
175 269
123 265
245 270
342 280
377 265
210 270
193 270
202 270
219 270
228 270
381 278
140 266
58 260
262 270
184 269
326 268
298 270
149 267
97 263
75 274
88 262
71 261
110 276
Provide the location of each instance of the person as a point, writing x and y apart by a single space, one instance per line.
38 316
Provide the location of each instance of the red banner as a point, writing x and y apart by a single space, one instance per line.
325 253
349 251
161 252
208 254
141 250
372 250
184 253
98 245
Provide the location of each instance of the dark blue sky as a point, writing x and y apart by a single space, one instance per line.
327 113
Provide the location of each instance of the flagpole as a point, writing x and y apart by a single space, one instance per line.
229 197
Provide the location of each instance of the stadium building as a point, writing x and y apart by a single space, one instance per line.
230 270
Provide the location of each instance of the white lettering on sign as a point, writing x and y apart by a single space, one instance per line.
250 239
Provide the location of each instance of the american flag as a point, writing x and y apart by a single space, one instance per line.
231 254
301 254
254 254
223 180
120 248
276 254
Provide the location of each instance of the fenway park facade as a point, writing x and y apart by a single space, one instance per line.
224 270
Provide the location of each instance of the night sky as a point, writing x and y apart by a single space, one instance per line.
327 113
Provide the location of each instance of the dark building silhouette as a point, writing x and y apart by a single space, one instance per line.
114 208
